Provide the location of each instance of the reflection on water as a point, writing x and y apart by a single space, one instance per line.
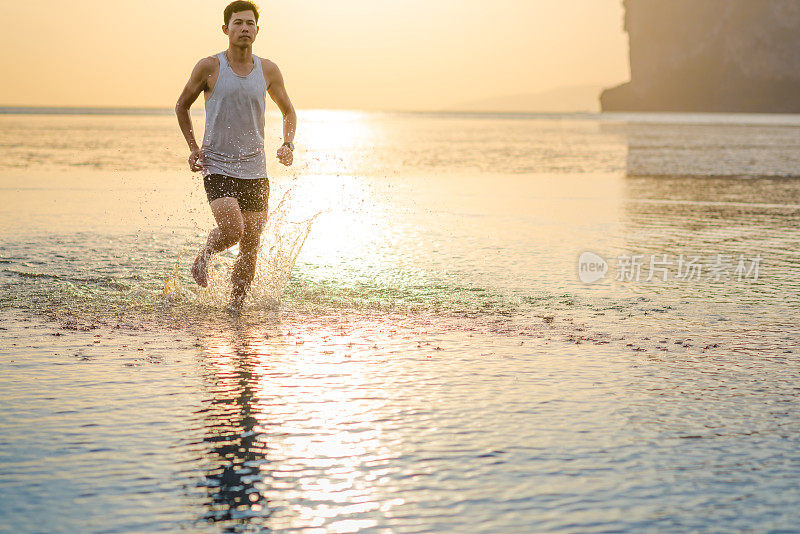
236 446
710 145
295 421
288 436
344 423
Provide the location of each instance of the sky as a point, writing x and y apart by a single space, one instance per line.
340 54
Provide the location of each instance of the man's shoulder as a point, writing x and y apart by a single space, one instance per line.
209 63
272 74
269 67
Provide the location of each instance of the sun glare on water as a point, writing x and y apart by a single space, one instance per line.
324 447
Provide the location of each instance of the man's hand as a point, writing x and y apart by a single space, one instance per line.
285 155
196 160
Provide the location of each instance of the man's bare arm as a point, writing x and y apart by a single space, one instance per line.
197 83
277 91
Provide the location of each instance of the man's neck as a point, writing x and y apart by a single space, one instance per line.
240 55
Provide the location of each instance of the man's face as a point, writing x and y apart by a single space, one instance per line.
242 29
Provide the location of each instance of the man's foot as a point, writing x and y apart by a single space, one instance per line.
236 303
200 268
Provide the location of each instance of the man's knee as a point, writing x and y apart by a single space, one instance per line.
231 233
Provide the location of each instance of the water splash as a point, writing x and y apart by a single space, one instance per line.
281 242
172 287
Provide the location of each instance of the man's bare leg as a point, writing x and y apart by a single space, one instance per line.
244 270
229 231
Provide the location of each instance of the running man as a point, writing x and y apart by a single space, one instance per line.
232 159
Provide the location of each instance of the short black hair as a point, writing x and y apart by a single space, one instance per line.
238 6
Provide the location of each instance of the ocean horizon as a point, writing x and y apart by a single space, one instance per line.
157 110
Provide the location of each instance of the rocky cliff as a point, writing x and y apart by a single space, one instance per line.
711 55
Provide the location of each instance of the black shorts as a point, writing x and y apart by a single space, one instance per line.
252 193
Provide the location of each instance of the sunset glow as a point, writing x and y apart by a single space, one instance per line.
351 54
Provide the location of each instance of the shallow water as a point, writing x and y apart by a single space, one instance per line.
436 362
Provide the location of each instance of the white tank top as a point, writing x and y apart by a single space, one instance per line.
233 142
